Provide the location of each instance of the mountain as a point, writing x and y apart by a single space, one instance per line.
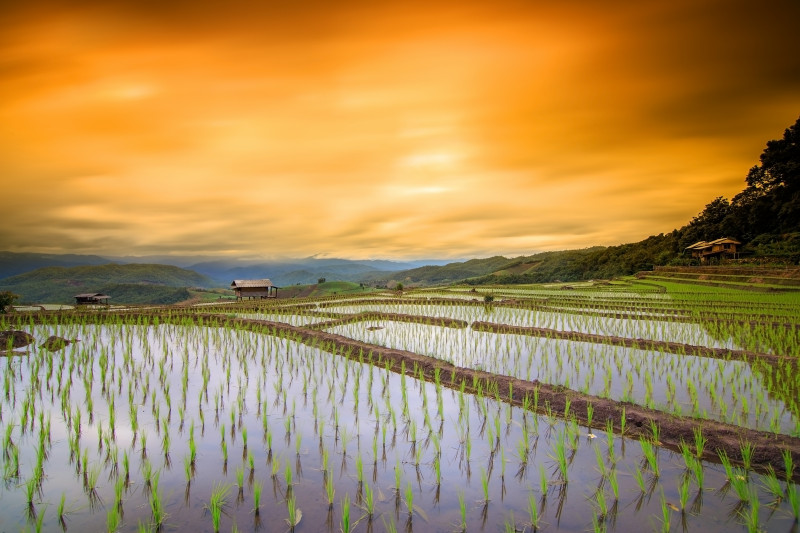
12 263
137 283
308 270
282 271
448 273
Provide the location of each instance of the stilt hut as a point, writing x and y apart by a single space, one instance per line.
254 289
92 298
719 248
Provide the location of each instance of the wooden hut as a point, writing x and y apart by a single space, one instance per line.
719 248
92 298
254 288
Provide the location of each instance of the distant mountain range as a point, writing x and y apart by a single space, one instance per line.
54 278
282 271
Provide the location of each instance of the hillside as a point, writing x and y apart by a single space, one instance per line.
304 271
433 275
140 283
13 263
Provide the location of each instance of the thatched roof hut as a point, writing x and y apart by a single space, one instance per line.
254 288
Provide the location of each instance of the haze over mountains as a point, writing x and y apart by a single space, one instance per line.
282 271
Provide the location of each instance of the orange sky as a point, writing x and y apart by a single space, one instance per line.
381 130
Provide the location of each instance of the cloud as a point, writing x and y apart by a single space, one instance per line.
381 129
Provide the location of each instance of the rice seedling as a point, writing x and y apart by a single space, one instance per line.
794 502
560 456
218 499
346 514
683 492
113 520
60 510
462 509
613 482
750 513
788 464
409 498
773 485
666 519
287 476
330 488
533 512
747 450
699 441
156 505
740 483
257 488
650 455
119 487
295 514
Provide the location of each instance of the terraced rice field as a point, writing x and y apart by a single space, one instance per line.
618 407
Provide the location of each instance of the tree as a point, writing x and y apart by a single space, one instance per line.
399 287
320 281
771 201
780 163
7 299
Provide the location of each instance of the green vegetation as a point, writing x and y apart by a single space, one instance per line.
328 288
126 284
7 299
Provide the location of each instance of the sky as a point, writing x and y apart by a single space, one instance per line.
392 130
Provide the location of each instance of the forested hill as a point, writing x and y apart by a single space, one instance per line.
135 283
765 217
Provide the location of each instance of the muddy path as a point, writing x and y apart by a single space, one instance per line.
555 305
641 344
628 420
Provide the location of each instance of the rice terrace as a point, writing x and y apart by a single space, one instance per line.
654 403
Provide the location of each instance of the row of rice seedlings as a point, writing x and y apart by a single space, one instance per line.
288 368
707 333
733 393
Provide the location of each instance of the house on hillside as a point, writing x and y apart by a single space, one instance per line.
719 248
92 298
254 288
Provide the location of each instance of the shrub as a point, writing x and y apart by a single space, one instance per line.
7 299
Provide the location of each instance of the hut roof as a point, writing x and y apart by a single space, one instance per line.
703 244
251 283
725 240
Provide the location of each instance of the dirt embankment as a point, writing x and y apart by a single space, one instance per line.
539 397
642 344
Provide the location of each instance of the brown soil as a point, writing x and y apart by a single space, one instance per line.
394 317
15 339
540 397
642 344
54 343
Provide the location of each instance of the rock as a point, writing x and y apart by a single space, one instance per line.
54 343
17 339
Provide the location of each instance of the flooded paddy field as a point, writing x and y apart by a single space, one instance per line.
173 424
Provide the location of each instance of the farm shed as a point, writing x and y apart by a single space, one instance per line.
254 288
724 247
92 298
